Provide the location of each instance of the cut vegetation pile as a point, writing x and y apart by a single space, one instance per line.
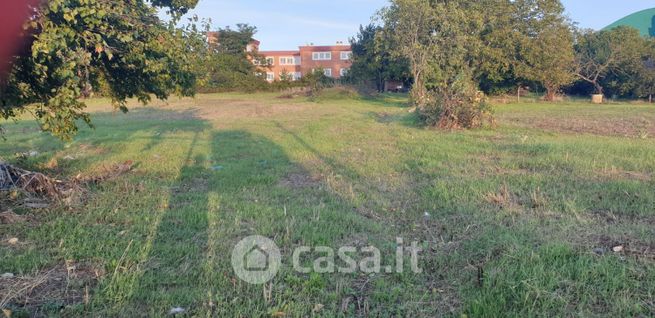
35 185
16 179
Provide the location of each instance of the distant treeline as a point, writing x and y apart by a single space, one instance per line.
503 46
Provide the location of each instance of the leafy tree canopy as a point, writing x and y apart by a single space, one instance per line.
227 65
78 44
614 52
373 60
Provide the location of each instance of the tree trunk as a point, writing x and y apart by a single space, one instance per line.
518 94
418 92
598 88
550 94
650 98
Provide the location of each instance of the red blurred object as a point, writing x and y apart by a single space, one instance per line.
13 14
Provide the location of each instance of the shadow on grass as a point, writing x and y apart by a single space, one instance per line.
228 188
405 119
395 100
111 134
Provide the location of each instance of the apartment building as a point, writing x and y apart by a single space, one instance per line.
335 61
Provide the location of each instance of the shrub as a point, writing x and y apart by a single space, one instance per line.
316 81
458 105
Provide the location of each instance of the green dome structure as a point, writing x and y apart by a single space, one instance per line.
644 21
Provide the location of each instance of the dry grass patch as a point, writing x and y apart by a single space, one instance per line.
299 180
502 199
622 127
60 286
617 173
9 217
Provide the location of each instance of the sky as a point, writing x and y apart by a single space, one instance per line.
287 24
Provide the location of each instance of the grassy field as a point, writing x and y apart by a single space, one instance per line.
520 220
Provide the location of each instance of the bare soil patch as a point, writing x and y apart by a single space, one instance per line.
624 127
299 180
239 109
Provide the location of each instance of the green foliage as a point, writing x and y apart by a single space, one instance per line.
77 44
545 44
611 58
227 66
234 42
646 79
373 61
407 24
442 41
316 81
496 44
457 105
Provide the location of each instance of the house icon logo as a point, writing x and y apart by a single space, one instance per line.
256 259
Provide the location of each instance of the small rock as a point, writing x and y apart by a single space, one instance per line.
33 153
617 249
13 241
176 310
318 307
7 275
599 250
217 168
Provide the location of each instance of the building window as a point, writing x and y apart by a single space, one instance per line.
270 61
346 55
297 60
327 72
287 60
343 72
322 56
270 76
297 76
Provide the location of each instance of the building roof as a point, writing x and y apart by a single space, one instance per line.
644 21
279 52
326 47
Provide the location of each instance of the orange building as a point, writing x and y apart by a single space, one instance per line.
334 60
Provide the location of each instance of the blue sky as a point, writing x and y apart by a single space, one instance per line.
286 24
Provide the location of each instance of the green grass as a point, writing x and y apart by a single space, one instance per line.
515 211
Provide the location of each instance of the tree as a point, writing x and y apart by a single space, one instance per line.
496 69
228 65
545 44
646 77
407 26
316 81
442 41
235 41
76 44
373 60
599 54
